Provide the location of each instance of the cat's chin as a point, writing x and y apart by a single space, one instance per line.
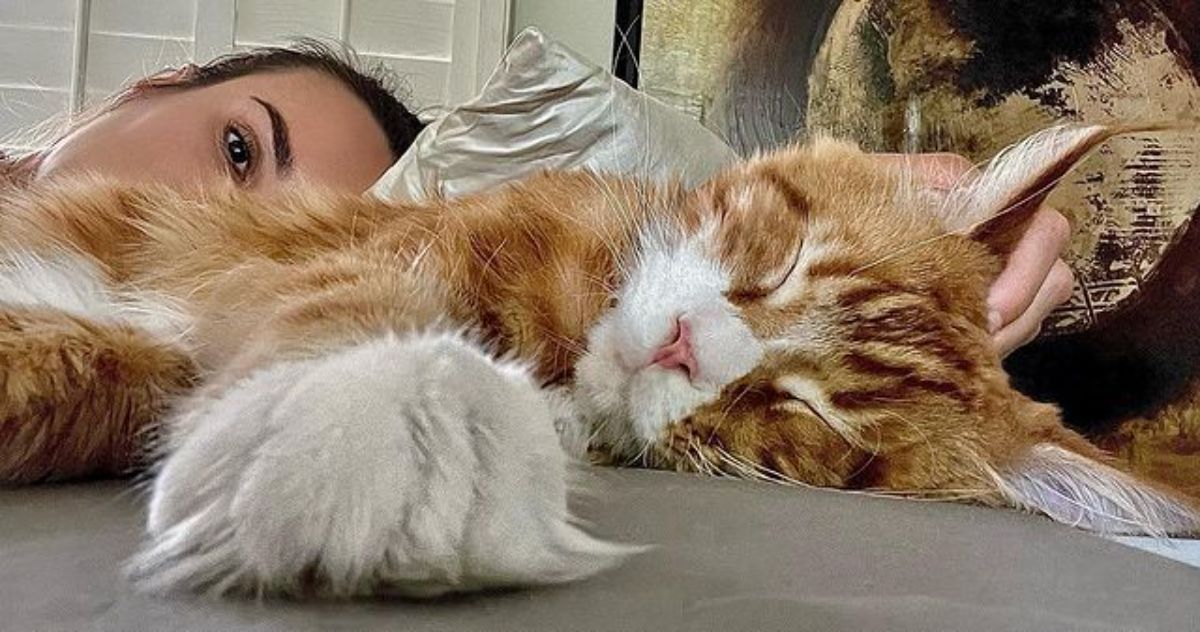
627 411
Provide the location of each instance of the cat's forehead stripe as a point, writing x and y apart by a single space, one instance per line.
796 201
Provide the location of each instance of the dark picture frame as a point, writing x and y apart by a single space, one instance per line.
627 41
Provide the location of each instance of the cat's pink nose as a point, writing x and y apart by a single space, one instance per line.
678 353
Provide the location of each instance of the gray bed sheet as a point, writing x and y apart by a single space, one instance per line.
730 555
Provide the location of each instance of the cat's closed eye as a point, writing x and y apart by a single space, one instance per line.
760 289
777 284
796 390
793 404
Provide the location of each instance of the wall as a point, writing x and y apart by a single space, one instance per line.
584 25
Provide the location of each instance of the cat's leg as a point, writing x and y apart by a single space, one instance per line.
82 374
391 461
76 396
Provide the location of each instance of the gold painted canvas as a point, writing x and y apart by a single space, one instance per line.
972 77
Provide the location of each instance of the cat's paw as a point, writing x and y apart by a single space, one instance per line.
413 465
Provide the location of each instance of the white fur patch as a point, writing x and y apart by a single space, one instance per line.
64 283
414 465
71 284
1078 491
629 401
1012 172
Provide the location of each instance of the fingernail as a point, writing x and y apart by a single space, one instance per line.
994 321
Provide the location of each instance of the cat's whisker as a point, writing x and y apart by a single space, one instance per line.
909 423
753 472
724 414
590 229
744 468
562 340
624 217
840 426
926 495
421 255
711 468
697 458
741 468
873 452
641 458
759 472
762 470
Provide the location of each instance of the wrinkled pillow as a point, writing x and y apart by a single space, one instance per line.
545 107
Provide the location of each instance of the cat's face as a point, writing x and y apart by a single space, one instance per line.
772 334
818 319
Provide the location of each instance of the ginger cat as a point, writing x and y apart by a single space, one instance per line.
378 396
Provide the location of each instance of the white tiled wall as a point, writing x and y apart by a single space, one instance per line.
35 60
58 55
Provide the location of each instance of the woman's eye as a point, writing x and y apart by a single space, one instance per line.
239 152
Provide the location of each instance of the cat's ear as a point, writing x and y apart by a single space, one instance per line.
995 205
1080 491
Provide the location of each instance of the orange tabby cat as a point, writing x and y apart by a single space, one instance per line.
383 389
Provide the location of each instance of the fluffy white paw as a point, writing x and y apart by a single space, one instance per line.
403 465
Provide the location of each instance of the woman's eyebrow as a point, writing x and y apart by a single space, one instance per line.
279 138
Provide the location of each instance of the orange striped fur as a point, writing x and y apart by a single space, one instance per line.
877 369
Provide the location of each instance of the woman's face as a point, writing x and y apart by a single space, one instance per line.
262 132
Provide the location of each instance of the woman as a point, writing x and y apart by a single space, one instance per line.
260 119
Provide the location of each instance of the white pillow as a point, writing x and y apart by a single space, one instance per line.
545 107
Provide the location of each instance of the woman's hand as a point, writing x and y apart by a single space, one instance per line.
1035 279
